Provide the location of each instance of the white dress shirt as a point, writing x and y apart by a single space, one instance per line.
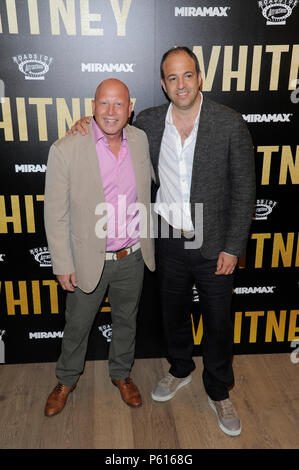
175 173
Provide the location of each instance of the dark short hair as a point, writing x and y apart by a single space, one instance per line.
179 49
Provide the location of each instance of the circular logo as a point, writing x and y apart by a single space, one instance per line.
277 13
43 258
263 210
34 68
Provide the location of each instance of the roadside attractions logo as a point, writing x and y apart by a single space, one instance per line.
106 331
42 256
263 208
277 11
33 66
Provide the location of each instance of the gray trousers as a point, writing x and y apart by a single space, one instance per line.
124 278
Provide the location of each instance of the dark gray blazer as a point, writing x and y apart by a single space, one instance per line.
223 176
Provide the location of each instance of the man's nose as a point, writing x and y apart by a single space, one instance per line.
181 83
110 108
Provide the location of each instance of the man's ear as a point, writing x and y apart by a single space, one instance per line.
163 85
200 80
130 108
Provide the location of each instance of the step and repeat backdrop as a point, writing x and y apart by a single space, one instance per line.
54 53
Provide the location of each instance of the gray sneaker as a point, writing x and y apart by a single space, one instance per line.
168 386
228 420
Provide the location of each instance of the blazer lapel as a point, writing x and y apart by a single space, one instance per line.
137 160
155 141
201 152
93 162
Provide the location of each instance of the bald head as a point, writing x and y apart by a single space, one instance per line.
112 107
112 84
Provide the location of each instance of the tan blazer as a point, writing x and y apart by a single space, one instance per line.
72 192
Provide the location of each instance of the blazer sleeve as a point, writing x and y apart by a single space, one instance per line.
57 212
243 188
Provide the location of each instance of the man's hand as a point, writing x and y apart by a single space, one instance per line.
67 281
226 263
81 126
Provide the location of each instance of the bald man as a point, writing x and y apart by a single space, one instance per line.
93 225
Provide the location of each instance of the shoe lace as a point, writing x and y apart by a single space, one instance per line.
128 380
226 409
168 380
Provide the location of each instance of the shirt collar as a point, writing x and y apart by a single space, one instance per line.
99 135
169 119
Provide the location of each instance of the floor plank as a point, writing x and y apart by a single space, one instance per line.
266 395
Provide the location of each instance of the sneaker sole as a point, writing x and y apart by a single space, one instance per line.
223 428
171 395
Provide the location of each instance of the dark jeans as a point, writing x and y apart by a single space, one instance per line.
178 270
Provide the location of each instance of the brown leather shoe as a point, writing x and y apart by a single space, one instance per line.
129 392
57 399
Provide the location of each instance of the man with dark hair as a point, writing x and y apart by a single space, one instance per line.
179 49
202 155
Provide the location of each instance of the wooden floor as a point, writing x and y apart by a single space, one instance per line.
266 396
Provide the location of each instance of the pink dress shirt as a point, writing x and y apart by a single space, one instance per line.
119 183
